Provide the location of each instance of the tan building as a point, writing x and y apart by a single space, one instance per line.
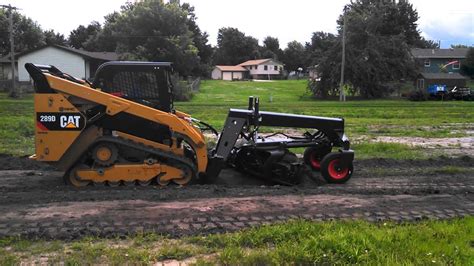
229 72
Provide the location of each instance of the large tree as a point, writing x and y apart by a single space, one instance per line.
200 39
321 42
27 33
294 56
379 35
80 37
234 47
53 38
154 31
467 66
271 48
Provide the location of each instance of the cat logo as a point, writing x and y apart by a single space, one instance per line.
69 121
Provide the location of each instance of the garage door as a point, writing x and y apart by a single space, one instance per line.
227 75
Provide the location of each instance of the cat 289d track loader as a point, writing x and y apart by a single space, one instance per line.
123 129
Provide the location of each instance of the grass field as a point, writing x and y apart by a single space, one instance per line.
296 242
391 117
211 104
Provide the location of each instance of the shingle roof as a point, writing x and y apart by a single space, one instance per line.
109 56
442 76
106 56
232 68
440 53
254 62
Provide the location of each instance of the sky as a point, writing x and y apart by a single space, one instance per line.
449 21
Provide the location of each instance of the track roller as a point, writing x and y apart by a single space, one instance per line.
144 183
129 183
113 183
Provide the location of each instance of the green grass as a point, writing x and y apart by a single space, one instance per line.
375 117
389 150
16 125
362 118
450 170
296 242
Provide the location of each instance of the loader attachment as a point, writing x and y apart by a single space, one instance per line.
268 157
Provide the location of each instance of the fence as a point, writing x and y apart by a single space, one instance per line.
22 87
185 89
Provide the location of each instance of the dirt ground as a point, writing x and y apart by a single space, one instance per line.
34 201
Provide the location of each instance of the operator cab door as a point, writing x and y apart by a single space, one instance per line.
147 83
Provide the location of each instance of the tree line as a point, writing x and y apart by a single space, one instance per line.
379 35
156 31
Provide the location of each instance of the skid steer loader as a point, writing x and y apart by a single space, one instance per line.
123 129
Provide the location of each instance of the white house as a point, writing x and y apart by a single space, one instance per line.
229 72
263 68
78 63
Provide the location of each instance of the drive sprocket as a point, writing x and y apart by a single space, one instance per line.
105 154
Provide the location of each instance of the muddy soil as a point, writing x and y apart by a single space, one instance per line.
34 201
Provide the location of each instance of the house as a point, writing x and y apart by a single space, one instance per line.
256 69
451 80
263 68
229 73
439 60
78 63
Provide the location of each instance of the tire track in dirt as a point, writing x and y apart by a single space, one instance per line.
36 203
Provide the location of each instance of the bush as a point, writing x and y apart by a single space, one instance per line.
183 90
418 96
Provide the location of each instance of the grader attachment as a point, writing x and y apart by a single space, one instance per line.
123 129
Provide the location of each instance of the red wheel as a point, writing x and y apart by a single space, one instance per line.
332 171
314 155
335 171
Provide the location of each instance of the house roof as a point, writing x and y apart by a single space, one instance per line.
106 56
255 62
232 68
442 76
440 53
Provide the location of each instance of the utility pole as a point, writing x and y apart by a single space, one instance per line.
342 97
10 8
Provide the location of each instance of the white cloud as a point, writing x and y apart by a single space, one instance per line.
451 22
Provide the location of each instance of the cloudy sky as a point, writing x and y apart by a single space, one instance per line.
450 21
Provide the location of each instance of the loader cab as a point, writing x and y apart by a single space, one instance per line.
147 83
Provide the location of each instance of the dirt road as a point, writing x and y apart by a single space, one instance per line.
34 202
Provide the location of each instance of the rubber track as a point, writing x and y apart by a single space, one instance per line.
178 161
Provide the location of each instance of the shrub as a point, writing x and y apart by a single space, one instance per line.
183 90
417 96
